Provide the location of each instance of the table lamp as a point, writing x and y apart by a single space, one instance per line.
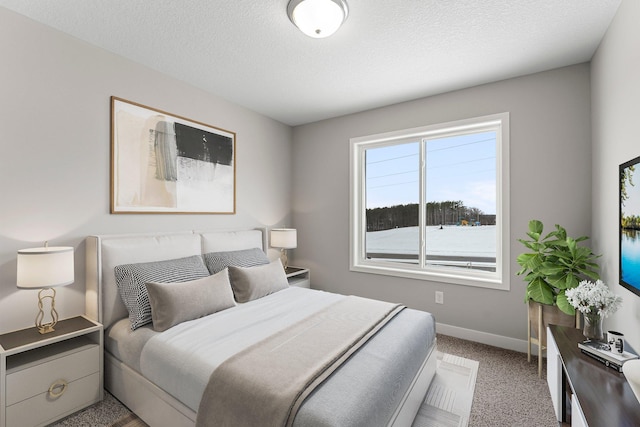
45 268
284 238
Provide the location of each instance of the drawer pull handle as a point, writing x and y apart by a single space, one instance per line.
60 386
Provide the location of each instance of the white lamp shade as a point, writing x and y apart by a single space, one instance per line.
318 18
45 267
285 238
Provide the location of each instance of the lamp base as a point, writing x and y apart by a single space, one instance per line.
46 327
283 258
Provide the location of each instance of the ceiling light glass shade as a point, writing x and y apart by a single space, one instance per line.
318 18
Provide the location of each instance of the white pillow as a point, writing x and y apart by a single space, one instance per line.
173 303
251 283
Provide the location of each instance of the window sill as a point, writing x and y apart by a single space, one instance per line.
475 279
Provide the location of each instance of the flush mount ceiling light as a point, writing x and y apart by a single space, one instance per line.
318 18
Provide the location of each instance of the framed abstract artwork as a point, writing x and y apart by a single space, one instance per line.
630 225
163 163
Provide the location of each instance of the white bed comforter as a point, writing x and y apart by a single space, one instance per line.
181 359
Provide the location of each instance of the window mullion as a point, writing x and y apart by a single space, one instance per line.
422 221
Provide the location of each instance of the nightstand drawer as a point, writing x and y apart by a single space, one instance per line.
32 379
42 408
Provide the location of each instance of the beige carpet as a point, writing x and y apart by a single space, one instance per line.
447 404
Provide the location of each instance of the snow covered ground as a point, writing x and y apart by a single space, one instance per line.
463 241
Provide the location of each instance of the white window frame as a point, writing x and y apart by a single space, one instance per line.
357 250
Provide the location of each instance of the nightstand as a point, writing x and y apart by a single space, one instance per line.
46 377
297 276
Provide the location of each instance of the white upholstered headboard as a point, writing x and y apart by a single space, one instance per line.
105 252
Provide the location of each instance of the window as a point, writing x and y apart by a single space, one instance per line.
432 202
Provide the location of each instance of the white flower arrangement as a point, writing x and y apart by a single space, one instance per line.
593 298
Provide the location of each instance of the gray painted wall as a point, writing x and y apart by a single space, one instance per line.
615 93
54 168
550 180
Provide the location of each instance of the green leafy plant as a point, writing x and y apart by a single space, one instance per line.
554 264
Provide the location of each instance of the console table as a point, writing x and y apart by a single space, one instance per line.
584 391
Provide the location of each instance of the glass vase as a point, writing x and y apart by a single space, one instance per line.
592 329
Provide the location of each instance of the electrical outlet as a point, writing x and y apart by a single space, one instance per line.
439 297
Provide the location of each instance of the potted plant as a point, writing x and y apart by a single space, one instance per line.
554 264
594 301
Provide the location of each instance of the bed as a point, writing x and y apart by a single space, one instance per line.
162 375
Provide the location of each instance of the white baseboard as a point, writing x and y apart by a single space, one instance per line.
483 337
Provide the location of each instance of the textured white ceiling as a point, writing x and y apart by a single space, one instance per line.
248 52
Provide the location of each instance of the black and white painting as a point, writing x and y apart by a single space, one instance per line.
162 163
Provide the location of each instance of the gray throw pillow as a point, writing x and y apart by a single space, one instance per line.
256 282
131 280
173 303
218 261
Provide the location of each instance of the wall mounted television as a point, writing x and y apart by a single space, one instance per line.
630 225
